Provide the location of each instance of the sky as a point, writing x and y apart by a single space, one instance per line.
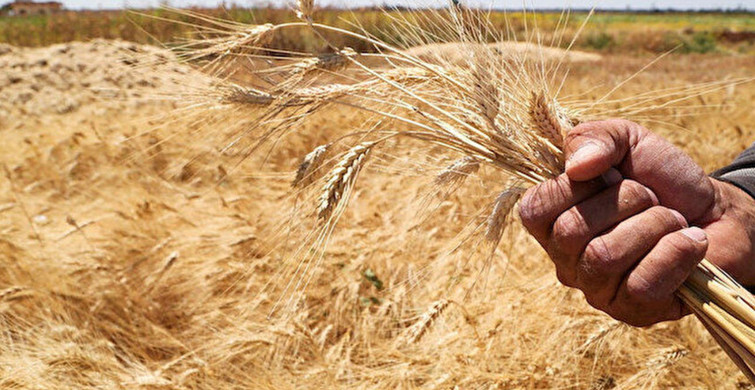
550 4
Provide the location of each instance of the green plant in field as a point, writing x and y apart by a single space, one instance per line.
600 40
700 42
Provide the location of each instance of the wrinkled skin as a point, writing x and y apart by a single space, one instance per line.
631 218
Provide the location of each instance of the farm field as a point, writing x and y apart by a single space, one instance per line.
139 254
607 31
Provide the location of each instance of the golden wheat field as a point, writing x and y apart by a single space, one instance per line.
139 253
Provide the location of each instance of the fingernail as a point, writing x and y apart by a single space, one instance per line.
696 234
655 201
611 177
585 151
680 218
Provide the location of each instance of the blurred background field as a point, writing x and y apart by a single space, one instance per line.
129 260
646 32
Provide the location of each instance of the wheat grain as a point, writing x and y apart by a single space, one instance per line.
341 178
654 368
598 335
236 94
259 36
243 40
305 175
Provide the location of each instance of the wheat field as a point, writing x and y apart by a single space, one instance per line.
138 253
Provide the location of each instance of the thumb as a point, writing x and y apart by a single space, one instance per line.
592 148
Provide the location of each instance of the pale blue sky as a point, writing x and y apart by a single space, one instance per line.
558 4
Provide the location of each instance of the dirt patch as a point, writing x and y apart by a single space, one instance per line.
60 79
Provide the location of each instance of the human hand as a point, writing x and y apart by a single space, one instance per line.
617 223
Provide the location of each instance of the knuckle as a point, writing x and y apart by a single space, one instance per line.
634 192
570 229
565 277
640 293
632 319
595 300
629 313
681 248
539 205
634 129
598 257
663 216
584 129
596 264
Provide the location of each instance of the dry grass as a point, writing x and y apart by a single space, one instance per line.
169 275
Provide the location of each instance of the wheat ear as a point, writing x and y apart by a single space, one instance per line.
8 292
457 172
501 210
545 120
309 165
327 62
341 178
486 91
427 319
305 9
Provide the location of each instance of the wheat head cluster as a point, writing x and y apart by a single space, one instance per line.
197 288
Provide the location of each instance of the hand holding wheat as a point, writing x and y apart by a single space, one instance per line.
623 243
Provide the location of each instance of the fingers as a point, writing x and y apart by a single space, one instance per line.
594 147
542 204
609 258
647 295
575 227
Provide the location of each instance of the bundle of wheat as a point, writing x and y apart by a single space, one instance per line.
497 112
